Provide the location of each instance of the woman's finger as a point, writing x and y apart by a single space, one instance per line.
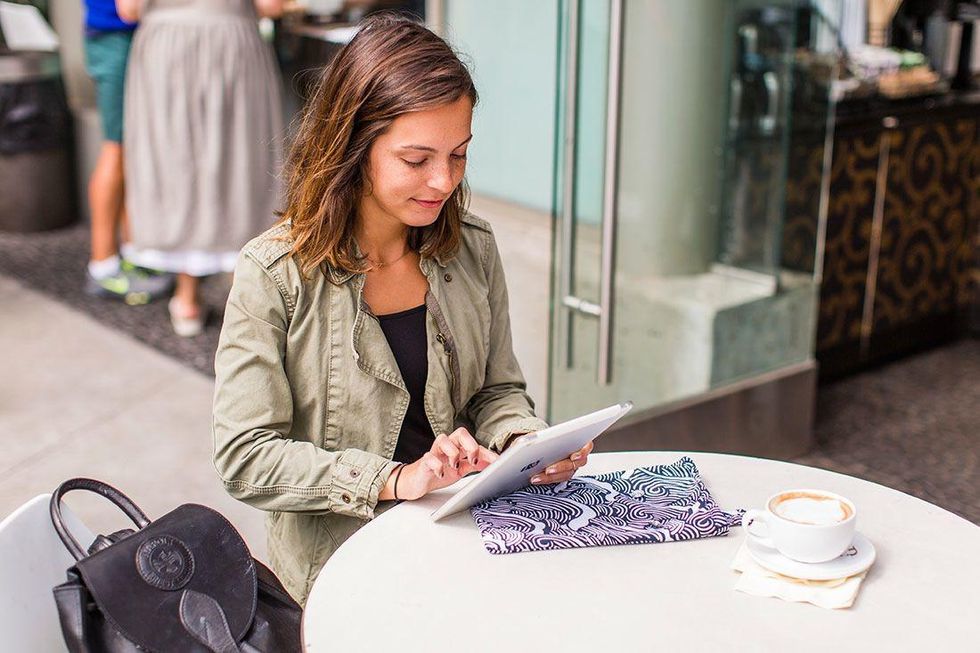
432 464
467 443
444 447
551 480
583 452
556 473
485 458
560 467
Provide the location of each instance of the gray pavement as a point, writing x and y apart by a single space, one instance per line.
78 398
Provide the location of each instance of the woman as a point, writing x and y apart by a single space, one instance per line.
203 131
372 320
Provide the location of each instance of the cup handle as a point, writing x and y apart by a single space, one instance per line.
752 518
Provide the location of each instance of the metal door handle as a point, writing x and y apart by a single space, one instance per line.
602 310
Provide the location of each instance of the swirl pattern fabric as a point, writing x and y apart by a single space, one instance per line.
663 503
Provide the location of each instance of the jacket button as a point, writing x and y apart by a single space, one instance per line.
448 277
354 473
345 497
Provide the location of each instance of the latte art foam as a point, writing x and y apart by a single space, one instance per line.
810 509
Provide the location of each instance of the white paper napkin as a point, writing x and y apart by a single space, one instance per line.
756 579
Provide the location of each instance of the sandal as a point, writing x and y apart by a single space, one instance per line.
186 327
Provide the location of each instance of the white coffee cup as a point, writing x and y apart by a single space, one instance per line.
805 525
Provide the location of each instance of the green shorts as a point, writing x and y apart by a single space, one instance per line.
106 54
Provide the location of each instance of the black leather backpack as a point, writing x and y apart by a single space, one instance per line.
184 582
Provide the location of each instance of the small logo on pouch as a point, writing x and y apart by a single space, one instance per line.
530 465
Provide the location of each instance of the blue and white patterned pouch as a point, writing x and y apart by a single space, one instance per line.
664 503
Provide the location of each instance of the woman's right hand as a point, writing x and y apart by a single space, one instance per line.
451 458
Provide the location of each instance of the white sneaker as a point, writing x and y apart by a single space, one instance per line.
186 327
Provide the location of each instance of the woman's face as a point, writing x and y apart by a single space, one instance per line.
417 164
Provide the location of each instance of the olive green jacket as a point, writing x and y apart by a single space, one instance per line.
309 400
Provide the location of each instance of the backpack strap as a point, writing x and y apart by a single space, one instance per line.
204 619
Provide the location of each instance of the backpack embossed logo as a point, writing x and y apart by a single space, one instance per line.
165 562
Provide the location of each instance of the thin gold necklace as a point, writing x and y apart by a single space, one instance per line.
382 264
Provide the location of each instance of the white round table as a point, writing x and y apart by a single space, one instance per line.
405 583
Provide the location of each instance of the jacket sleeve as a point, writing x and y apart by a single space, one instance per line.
502 407
256 460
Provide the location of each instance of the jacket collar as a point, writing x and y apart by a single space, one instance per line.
340 277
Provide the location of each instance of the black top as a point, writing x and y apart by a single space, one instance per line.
405 332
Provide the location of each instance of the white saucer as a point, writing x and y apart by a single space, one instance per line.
856 559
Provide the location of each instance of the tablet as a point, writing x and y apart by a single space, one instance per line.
529 456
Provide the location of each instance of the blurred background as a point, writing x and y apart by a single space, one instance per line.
757 220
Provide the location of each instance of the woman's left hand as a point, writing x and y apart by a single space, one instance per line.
563 470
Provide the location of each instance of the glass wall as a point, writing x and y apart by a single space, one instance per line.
663 133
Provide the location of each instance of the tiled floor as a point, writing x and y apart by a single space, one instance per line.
913 425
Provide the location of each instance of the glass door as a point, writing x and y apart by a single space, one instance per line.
587 114
673 128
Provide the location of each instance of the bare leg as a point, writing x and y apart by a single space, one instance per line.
105 195
124 235
187 294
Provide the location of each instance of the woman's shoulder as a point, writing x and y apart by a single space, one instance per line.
477 238
270 247
478 223
267 269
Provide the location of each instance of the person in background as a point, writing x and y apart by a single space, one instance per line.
107 42
365 355
204 132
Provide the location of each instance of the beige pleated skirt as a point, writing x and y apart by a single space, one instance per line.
203 134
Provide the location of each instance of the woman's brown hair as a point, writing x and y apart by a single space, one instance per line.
391 67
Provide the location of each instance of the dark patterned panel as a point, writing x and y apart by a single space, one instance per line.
967 265
929 223
845 269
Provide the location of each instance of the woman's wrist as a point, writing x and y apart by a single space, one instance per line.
511 439
388 490
398 473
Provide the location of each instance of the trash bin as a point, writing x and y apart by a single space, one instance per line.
37 183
